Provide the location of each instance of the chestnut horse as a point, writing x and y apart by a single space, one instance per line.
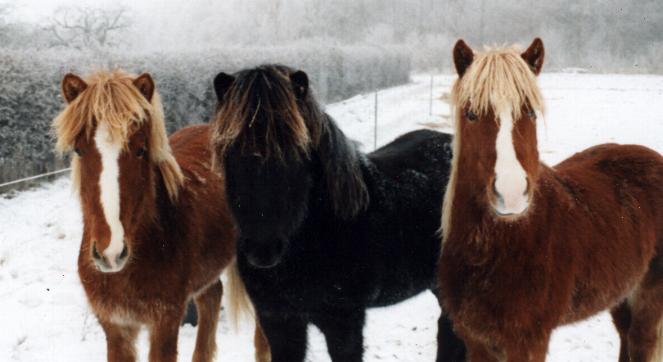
529 247
326 231
156 227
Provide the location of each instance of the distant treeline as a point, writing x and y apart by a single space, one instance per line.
30 94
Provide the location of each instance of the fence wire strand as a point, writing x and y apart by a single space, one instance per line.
35 177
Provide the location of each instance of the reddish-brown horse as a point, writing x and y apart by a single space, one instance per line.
156 228
528 247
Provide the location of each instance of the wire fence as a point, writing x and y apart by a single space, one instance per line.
376 109
33 178
375 121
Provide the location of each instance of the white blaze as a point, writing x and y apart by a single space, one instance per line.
109 187
510 177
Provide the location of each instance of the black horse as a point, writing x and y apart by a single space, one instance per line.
325 230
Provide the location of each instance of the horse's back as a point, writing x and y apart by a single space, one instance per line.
191 147
422 150
191 141
623 168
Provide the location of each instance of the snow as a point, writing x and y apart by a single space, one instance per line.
45 316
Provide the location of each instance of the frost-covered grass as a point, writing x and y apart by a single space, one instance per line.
44 315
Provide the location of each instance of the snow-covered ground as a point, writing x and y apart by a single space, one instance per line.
44 315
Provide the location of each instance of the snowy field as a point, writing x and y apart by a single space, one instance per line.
44 315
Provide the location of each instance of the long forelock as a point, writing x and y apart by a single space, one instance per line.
498 79
111 98
262 104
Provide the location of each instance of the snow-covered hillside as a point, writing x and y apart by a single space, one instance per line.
44 315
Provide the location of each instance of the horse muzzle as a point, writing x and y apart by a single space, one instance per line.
109 263
263 254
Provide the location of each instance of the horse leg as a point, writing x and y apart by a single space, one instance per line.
286 336
261 345
645 339
644 335
475 350
449 346
344 335
163 336
621 318
208 304
120 341
478 352
532 349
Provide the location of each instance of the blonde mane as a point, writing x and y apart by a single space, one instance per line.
112 98
498 79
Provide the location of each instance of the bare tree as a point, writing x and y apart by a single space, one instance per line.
80 27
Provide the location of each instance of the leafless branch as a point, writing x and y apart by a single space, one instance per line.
87 27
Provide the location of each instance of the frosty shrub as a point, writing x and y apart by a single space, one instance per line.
30 96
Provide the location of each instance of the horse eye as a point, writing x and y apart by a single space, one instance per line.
531 114
141 152
77 151
470 115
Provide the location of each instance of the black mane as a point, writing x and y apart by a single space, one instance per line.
341 162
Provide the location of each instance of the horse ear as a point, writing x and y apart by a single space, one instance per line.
222 83
463 57
533 56
145 85
72 86
299 81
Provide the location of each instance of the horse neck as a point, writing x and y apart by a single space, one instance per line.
156 222
463 212
343 171
343 146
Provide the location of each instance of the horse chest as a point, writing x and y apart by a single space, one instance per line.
126 296
503 287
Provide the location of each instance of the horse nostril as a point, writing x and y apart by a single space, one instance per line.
265 253
497 193
124 253
95 253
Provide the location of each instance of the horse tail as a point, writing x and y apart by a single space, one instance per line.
239 304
